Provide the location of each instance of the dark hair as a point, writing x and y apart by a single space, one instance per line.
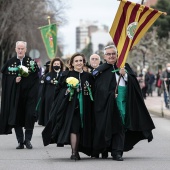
52 62
72 58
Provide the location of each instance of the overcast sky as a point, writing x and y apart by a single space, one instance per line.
102 11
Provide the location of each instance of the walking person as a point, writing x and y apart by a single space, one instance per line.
150 83
121 119
71 114
19 96
159 82
165 77
48 90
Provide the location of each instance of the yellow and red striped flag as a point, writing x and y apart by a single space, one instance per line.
131 22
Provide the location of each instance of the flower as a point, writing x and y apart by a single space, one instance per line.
23 71
72 84
72 81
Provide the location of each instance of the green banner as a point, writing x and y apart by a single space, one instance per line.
49 36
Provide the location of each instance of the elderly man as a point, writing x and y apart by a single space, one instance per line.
121 119
19 96
94 61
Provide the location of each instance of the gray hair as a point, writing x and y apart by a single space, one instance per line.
110 46
23 42
96 55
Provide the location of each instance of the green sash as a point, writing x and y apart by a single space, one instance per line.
80 98
121 101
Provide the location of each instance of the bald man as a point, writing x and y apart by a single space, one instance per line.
94 61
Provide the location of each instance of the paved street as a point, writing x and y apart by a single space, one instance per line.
144 156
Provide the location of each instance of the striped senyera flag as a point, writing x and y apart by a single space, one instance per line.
131 22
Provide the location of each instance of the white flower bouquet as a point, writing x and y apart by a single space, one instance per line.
23 71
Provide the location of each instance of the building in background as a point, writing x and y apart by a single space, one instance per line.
91 32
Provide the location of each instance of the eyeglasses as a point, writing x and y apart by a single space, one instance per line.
94 59
110 54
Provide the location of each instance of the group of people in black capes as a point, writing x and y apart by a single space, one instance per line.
97 112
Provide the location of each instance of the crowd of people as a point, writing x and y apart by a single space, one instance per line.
96 108
160 82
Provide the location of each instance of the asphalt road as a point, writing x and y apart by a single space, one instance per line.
145 156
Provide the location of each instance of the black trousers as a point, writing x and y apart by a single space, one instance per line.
20 134
118 143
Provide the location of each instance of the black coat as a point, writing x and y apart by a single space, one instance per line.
18 100
58 127
47 97
138 123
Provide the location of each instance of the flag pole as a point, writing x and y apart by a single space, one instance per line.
49 22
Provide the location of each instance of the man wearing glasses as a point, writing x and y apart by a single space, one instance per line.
119 116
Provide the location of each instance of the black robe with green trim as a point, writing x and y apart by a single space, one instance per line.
18 100
138 123
58 127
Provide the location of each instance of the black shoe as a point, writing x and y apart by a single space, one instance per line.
75 156
20 146
95 156
105 155
118 157
78 156
28 144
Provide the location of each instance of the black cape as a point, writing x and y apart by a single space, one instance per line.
47 97
58 127
18 100
138 123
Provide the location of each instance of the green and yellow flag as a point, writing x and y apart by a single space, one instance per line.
49 36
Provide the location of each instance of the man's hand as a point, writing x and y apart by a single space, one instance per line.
122 71
18 79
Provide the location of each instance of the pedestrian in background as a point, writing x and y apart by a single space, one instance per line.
165 77
19 96
159 82
150 83
94 61
41 79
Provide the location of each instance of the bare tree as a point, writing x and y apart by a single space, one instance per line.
20 21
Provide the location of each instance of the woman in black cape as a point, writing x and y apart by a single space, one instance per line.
48 90
71 112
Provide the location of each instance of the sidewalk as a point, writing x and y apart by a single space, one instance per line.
156 106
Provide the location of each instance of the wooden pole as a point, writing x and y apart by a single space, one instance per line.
49 22
142 2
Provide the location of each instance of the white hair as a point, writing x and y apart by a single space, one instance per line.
23 42
110 46
96 55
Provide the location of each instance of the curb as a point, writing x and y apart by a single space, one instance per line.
162 113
